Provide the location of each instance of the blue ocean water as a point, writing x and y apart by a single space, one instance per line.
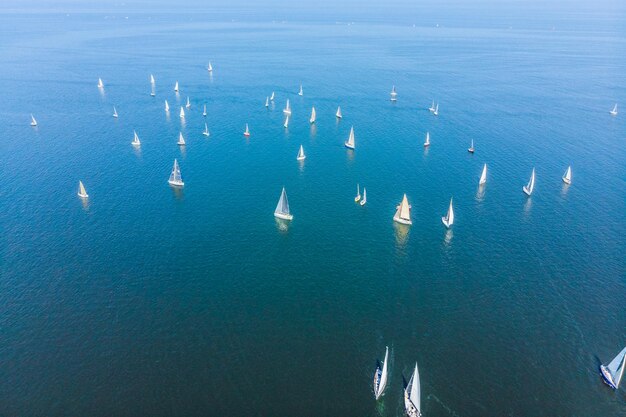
146 300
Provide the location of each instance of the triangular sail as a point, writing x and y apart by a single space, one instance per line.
100 83
188 104
81 190
33 122
338 114
616 367
283 204
209 67
350 142
450 215
114 112
176 87
152 79
301 153
483 176
405 212
383 376
181 139
175 176
312 119
531 183
427 141
272 96
414 394
206 130
167 106
136 139
568 174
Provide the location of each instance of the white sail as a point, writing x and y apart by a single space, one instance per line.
364 199
412 402
614 371
282 208
350 142
403 212
176 87
427 141
394 95
358 194
380 377
301 154
175 178
528 189
436 111
114 112
33 122
300 92
188 105
82 193
206 130
338 114
287 109
152 81
286 124
209 67
181 139
272 96
312 119
614 111
483 176
267 101
432 107
204 111
100 83
247 131
471 148
167 106
567 177
449 219
182 112
136 141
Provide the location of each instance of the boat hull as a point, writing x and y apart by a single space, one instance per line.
400 220
409 407
363 202
567 181
83 195
470 150
445 222
347 145
205 133
526 191
301 158
283 216
176 183
606 376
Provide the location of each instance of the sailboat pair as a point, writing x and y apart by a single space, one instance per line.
358 198
434 108
282 208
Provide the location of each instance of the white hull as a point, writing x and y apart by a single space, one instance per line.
301 158
445 222
283 216
349 146
83 195
400 220
176 183
205 133
526 191
567 181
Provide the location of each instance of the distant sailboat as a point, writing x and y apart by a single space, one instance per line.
272 96
287 109
427 141
152 81
394 95
247 131
206 130
403 212
350 142
136 141
286 124
380 376
364 199
614 111
82 193
483 176
436 111
449 219
114 112
100 83
567 177
412 402
176 87
358 194
181 139
300 93
267 101
182 112
167 106
204 111
188 105
312 119
471 148
33 122
282 208
209 67
528 189
175 178
613 372
301 156
338 114
432 107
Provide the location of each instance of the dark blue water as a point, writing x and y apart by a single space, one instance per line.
150 301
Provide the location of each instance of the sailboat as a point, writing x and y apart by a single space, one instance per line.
181 139
272 96
182 112
380 376
449 219
338 114
471 148
432 107
136 141
33 122
204 111
82 193
427 141
312 119
300 93
287 109
175 178
167 106
286 124
301 156
394 95
436 111
152 81
267 101
350 142
282 208
247 131
206 130
528 189
614 111
176 87
403 212
114 112
483 176
209 67
567 177
613 372
188 105
358 194
364 199
412 401
100 83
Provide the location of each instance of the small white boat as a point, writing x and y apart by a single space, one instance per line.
403 212
209 67
267 101
247 131
100 83
176 87
528 188
136 141
33 122
436 111
483 176
287 109
380 376
449 219
152 93
272 96
182 112
301 156
175 178
181 139
312 119
613 372
152 81
300 93
358 194
188 104
567 177
282 208
114 112
350 142
82 193
204 111
364 199
338 114
427 141
206 130
167 106
412 402
471 148
432 107
394 95
614 111
286 124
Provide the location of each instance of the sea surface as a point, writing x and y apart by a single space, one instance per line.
148 300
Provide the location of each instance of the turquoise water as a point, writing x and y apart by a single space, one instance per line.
150 301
